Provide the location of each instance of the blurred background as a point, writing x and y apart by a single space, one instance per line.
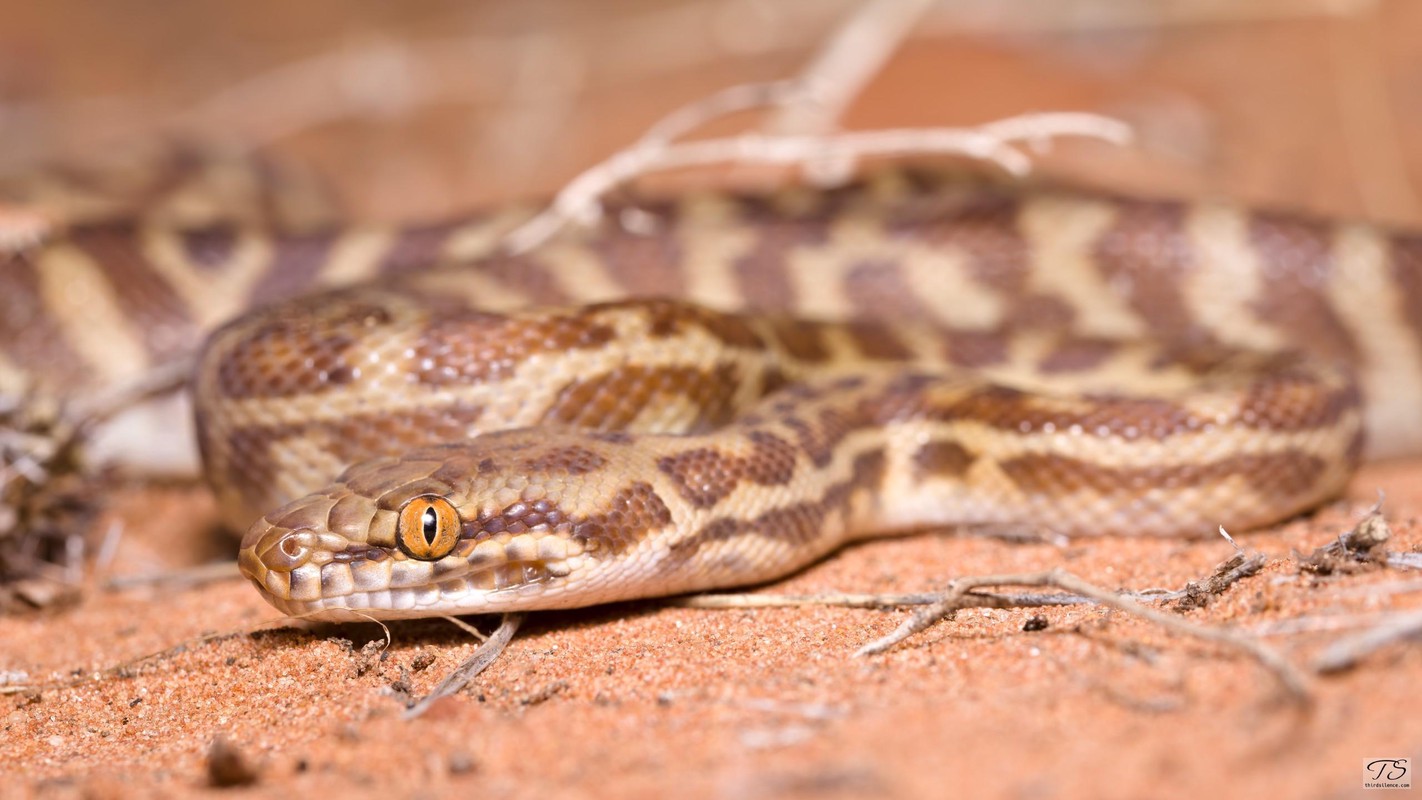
416 110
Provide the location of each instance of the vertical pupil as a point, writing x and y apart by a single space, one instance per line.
430 522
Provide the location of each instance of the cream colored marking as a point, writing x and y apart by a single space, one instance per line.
940 280
1392 360
212 295
1060 233
816 271
711 253
521 396
1228 280
480 290
13 380
81 299
482 238
579 273
355 256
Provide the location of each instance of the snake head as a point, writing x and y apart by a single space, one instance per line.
492 525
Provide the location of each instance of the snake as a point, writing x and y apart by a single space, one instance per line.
719 389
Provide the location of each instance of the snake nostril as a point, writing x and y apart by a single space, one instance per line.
291 550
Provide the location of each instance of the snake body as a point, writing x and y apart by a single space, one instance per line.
890 356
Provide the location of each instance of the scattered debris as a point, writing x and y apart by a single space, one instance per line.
483 656
544 694
1288 676
1197 594
226 766
48 501
1348 651
1353 551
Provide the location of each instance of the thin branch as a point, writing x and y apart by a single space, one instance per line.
845 64
1237 568
1288 676
999 143
188 578
875 601
472 666
1347 652
160 379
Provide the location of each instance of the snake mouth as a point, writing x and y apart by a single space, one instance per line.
319 574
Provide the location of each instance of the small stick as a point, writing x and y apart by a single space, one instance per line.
847 600
1227 573
845 64
1288 676
1348 651
997 142
200 575
472 666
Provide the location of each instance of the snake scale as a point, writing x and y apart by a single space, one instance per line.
719 390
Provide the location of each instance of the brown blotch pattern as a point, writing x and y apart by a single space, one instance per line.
209 246
291 352
249 458
974 349
878 341
572 460
1275 475
872 286
795 524
28 334
1078 354
800 340
1146 253
465 347
762 273
295 266
706 476
1130 418
831 426
614 399
147 299
650 263
418 246
1405 257
942 459
671 318
632 514
524 273
1298 256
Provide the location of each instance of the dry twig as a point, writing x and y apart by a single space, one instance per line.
1000 143
847 61
1347 652
1288 676
483 656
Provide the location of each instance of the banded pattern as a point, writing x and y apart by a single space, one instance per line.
1148 441
901 246
1032 293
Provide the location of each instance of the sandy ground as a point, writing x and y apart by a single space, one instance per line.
646 700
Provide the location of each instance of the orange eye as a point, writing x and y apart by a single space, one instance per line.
428 528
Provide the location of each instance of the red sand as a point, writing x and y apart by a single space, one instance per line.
647 700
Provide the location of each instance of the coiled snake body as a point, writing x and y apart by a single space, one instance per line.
1073 363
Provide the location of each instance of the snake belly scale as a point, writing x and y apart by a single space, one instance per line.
894 355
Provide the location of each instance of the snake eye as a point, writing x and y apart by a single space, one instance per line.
428 528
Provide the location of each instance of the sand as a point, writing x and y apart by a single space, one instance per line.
648 700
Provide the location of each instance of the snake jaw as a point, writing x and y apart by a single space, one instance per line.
312 572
